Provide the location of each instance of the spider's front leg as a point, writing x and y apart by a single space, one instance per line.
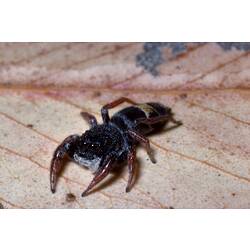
60 153
100 175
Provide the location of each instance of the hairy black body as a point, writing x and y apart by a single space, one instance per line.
105 145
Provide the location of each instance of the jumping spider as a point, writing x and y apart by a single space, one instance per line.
105 145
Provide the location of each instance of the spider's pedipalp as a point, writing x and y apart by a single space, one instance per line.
57 161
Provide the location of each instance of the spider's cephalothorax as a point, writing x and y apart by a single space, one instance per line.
104 145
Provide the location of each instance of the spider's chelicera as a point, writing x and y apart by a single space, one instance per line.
104 146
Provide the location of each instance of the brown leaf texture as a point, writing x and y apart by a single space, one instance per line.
203 164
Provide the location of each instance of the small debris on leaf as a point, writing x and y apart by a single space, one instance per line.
70 197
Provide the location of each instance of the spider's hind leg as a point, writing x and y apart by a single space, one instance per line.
144 141
157 119
131 168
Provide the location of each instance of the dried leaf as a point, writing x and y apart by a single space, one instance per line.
203 164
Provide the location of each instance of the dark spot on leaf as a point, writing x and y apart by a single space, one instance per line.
96 94
1 206
239 46
70 197
151 57
183 96
30 126
233 194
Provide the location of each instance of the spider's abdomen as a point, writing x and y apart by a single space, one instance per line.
127 118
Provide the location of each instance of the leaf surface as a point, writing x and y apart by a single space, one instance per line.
203 164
